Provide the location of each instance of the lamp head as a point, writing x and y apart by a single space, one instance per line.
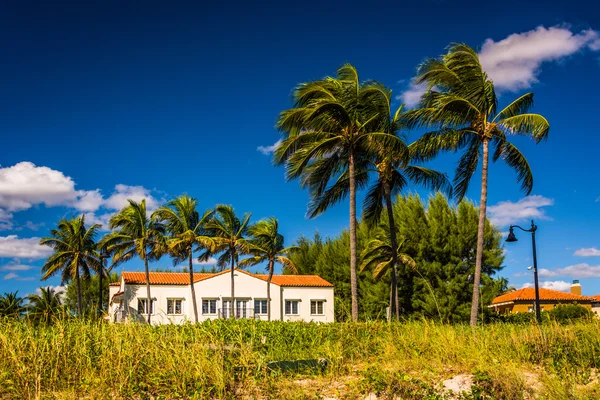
511 236
530 268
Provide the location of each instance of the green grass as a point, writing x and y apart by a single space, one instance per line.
227 359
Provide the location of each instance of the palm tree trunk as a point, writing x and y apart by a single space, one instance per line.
149 299
193 289
394 306
271 263
353 258
480 233
232 311
78 291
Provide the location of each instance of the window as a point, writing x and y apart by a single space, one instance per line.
209 306
291 307
316 307
260 307
143 306
174 306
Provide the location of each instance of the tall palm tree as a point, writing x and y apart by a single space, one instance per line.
45 306
11 305
394 171
186 230
380 257
74 254
326 138
266 245
136 235
228 234
461 106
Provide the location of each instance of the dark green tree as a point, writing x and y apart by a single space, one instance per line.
89 293
442 241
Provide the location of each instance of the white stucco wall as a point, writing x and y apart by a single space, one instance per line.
247 288
305 295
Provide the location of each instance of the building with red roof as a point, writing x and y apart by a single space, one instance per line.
293 297
523 300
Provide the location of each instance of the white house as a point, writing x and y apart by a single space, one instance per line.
293 297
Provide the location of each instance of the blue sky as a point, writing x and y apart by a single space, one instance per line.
104 101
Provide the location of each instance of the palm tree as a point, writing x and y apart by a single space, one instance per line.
393 174
228 234
266 245
137 235
74 254
187 233
326 137
11 305
461 105
45 306
380 257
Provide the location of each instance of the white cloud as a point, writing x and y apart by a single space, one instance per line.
561 286
33 226
587 252
25 185
582 270
507 213
210 261
412 95
5 220
89 201
10 275
16 267
514 62
91 218
122 193
266 150
14 247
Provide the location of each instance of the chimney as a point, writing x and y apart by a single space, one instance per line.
576 287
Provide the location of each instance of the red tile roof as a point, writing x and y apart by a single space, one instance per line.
164 278
527 294
596 297
183 278
296 280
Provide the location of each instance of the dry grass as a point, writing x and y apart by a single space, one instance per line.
227 359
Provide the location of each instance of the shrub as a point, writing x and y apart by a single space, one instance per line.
567 313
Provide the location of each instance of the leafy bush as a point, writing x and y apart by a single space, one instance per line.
567 313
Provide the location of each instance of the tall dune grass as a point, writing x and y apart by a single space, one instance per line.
228 359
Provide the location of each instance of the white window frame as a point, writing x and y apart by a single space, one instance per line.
291 301
263 311
152 306
317 302
174 300
209 302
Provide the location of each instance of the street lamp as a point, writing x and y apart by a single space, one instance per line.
512 238
103 256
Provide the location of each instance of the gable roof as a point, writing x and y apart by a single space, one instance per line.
183 278
526 294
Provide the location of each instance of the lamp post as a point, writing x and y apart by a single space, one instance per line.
512 238
103 256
